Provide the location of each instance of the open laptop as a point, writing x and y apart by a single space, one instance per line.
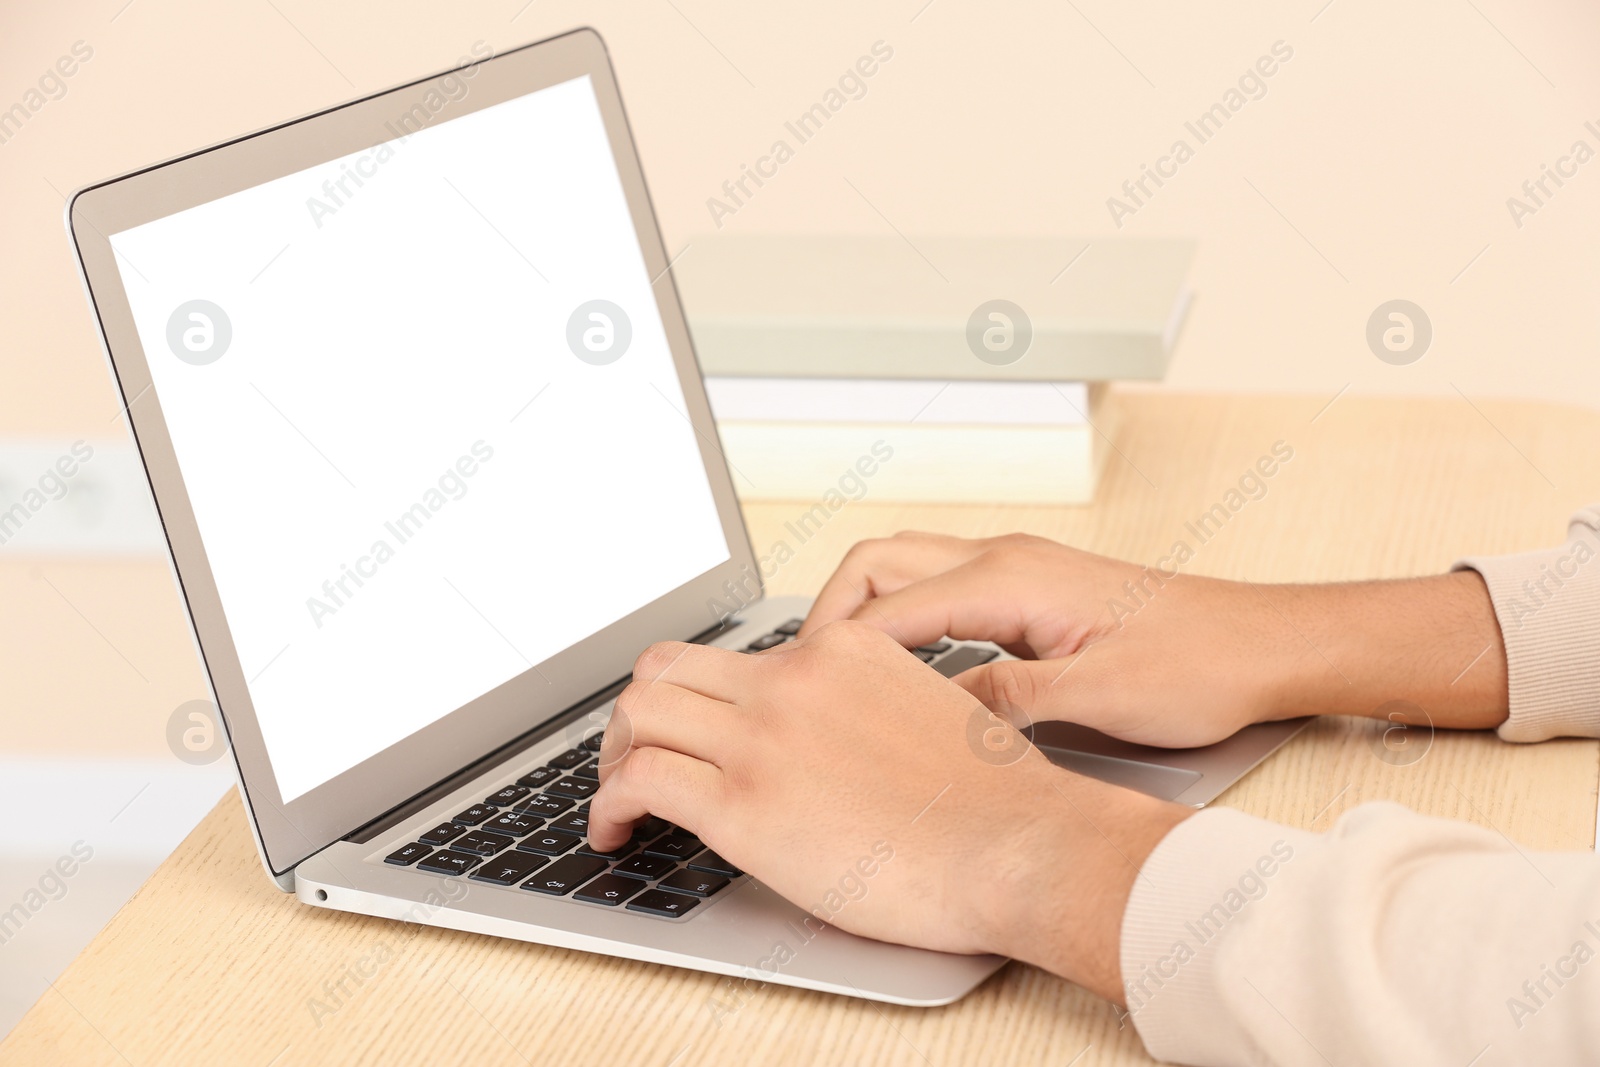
424 427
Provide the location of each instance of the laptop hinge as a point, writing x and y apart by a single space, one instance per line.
407 808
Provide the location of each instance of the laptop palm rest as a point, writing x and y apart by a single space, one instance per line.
1193 776
1165 783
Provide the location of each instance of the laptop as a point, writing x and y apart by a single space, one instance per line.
423 423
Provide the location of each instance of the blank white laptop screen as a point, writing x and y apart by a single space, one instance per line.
426 413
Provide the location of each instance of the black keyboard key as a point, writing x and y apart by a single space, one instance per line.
507 796
761 644
482 843
565 875
924 655
695 883
590 770
515 823
648 868
539 777
576 823
615 854
964 659
576 788
548 842
406 855
936 648
594 741
509 869
676 846
608 889
447 861
442 834
569 759
712 863
666 905
546 807
476 814
790 628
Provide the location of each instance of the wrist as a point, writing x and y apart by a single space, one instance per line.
1363 648
1078 852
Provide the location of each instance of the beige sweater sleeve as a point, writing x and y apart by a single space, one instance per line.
1394 938
1548 604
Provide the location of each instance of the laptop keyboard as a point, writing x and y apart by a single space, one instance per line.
949 660
533 833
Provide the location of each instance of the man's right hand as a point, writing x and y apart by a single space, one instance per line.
1170 659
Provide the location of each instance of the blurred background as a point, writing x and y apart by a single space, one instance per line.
1401 151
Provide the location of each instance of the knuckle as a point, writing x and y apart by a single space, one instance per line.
654 661
629 698
642 766
739 783
1011 685
845 631
1015 548
862 551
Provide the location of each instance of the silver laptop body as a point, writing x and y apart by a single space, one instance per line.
423 423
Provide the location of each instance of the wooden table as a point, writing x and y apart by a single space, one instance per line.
209 964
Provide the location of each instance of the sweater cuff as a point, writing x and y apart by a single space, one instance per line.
1204 877
1548 607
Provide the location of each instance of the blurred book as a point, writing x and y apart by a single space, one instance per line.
912 441
848 306
76 498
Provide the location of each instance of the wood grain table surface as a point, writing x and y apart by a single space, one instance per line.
209 964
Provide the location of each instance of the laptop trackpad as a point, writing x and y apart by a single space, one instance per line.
1165 783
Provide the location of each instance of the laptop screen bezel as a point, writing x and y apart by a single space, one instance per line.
289 832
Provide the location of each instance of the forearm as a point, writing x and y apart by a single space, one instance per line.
1394 938
1355 648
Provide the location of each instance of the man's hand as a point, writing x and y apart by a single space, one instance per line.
856 782
1165 658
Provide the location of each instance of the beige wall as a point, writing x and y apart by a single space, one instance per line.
1390 142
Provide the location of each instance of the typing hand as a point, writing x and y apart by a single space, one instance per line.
844 774
1152 655
1162 659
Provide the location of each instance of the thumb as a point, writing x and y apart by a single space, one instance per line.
1017 690
1070 688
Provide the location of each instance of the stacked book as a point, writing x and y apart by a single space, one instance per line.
955 370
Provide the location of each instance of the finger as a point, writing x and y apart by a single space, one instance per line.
663 715
1014 689
718 673
1080 688
961 603
653 781
873 568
